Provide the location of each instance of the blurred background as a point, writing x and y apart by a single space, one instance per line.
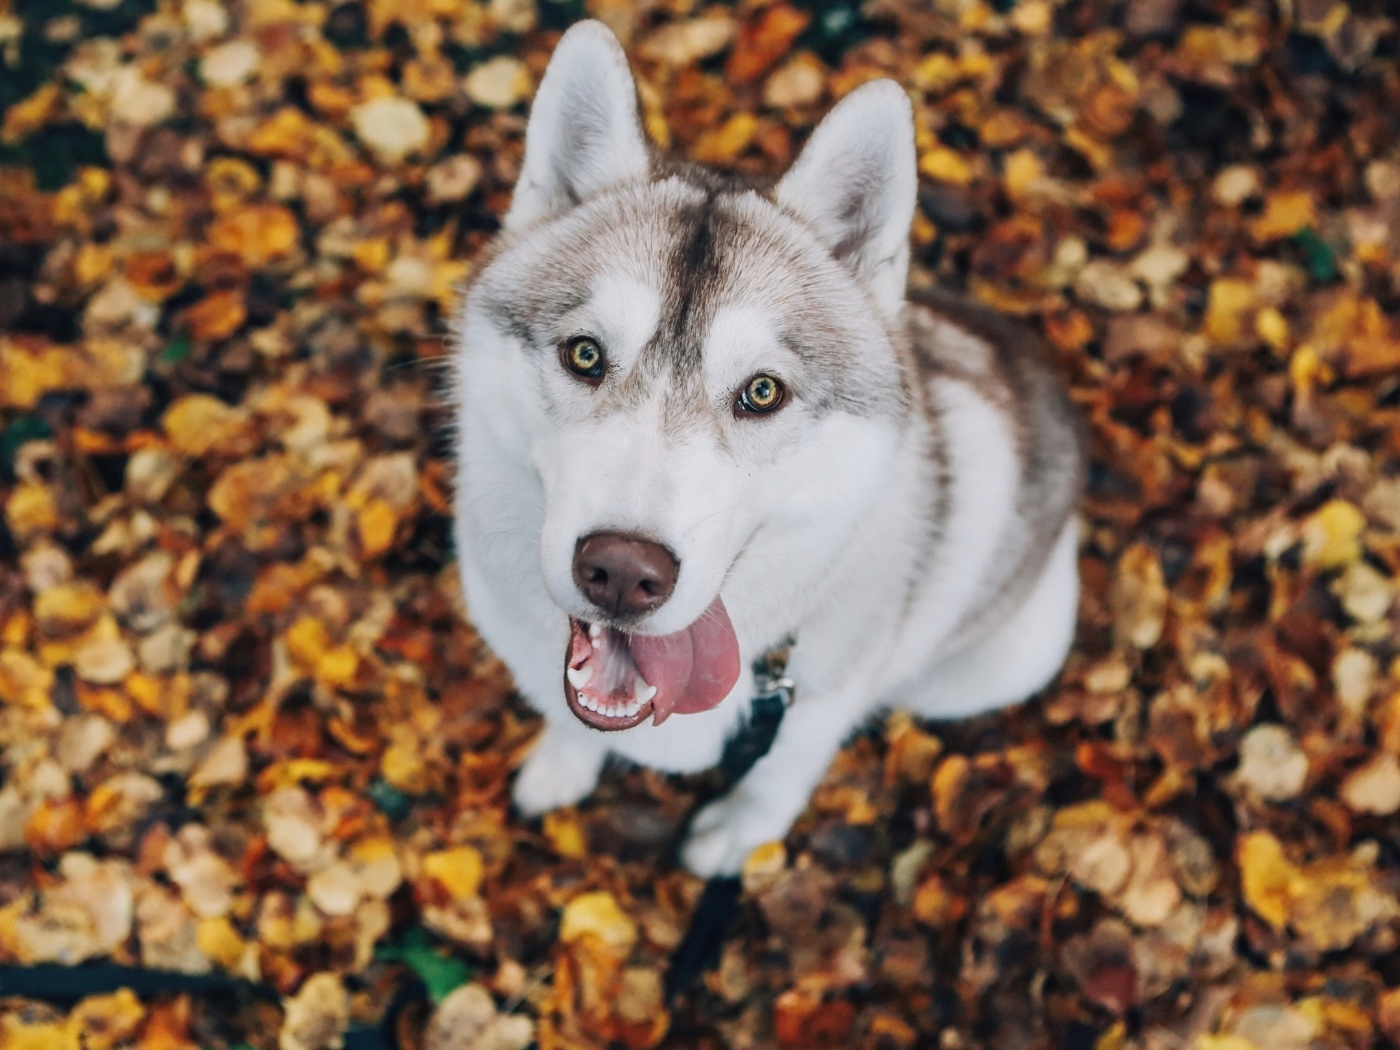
247 736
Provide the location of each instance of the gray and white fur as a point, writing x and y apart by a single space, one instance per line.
909 516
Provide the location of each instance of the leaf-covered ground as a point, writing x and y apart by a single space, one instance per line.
246 729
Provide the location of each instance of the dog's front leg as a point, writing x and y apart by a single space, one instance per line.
763 805
560 770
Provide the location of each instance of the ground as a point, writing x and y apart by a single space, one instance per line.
247 730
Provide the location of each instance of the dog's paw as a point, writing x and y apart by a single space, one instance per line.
723 835
556 773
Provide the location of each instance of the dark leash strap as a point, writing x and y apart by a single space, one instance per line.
700 948
64 986
698 952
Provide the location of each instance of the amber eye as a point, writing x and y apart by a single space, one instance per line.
762 393
584 358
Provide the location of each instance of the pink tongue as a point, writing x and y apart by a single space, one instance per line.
692 670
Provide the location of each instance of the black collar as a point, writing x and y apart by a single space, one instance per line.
774 693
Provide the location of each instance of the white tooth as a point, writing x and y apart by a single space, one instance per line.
591 703
633 706
579 676
595 632
644 695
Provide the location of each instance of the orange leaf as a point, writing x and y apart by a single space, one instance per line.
154 275
169 1026
217 316
763 43
57 825
257 234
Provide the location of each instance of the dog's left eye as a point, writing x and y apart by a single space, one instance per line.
763 393
584 358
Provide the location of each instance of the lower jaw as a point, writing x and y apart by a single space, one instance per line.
606 723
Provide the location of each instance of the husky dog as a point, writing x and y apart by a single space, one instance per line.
696 417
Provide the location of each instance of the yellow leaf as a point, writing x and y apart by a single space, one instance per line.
68 608
92 264
307 640
377 524
597 917
1308 371
1271 327
402 767
1228 299
24 681
198 422
371 254
565 833
295 771
1139 597
457 870
231 180
946 165
218 940
724 143
108 1021
936 73
31 510
338 666
30 114
763 866
288 133
1284 215
1223 1042
59 1035
1113 1038
1332 535
1266 878
1023 172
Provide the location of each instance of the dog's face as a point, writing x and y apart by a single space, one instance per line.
690 366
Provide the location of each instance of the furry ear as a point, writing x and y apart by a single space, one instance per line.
855 183
584 132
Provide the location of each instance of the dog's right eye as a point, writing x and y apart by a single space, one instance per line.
584 358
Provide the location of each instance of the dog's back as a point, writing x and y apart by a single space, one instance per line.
953 339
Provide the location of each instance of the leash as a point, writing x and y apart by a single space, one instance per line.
63 986
697 953
700 948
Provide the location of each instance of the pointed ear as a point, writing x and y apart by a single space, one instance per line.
584 132
855 183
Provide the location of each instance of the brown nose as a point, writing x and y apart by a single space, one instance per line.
624 575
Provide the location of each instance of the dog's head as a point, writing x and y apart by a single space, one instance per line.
695 369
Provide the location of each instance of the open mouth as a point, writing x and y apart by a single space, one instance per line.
615 680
